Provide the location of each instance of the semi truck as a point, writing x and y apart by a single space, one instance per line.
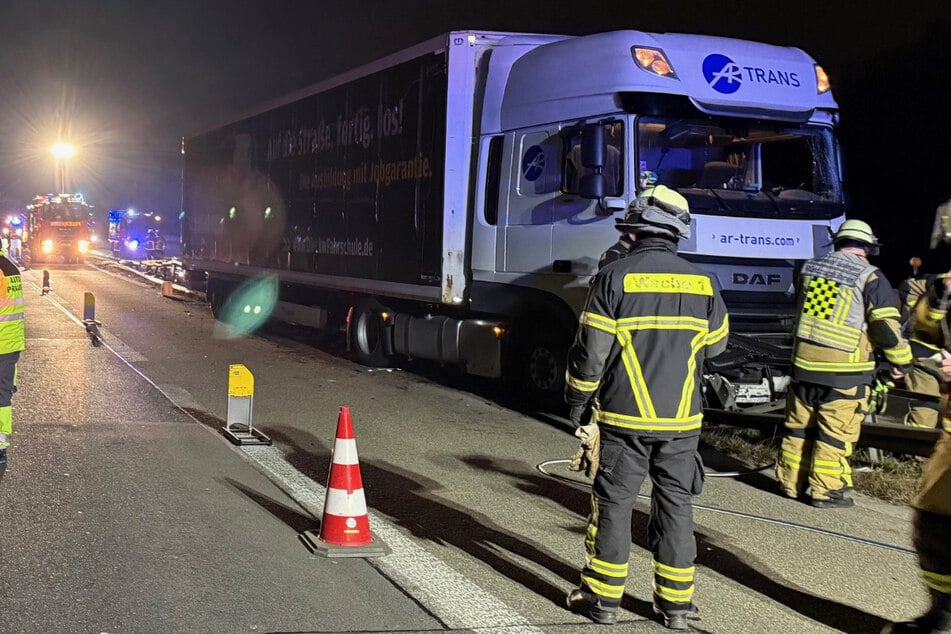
450 201
58 228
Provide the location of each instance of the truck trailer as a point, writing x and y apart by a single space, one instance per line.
450 201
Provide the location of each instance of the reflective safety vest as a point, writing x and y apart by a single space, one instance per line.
847 310
12 337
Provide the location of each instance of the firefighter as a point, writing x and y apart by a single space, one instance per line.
847 312
649 321
932 530
11 344
929 336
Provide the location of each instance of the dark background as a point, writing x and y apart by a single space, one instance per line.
124 80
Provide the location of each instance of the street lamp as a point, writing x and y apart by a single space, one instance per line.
61 152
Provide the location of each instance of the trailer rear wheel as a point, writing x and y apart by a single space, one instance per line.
368 335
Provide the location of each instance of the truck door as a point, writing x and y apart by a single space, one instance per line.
535 183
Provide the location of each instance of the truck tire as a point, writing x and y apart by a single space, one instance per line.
368 336
543 359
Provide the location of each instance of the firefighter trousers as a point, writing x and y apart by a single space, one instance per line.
933 520
922 413
676 473
822 427
8 380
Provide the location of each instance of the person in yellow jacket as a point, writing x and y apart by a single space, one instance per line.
930 337
847 313
932 533
12 342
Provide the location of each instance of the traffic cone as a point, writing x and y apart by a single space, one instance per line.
345 528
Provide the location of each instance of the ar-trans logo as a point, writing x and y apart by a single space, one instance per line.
722 73
726 76
533 163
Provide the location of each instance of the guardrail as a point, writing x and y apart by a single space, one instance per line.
887 433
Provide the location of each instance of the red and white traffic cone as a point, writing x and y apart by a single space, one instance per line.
345 528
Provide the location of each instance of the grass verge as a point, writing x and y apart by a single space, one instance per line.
892 478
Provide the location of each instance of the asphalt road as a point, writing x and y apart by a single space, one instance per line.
125 510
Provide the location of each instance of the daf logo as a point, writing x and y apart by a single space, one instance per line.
756 279
533 163
722 73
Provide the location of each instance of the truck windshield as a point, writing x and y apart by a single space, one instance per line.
64 211
745 168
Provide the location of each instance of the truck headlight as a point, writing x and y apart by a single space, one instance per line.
47 246
83 246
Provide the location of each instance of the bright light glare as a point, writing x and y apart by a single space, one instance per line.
47 246
62 150
83 246
248 307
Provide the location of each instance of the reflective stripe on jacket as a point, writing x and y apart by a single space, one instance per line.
847 312
648 324
12 337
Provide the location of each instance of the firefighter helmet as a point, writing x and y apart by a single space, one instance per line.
658 210
857 231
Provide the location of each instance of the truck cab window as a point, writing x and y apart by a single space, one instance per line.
754 170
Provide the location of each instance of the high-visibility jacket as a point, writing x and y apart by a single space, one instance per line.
847 312
650 320
927 328
12 337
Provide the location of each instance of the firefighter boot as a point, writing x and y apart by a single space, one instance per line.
3 461
586 604
833 500
678 619
936 620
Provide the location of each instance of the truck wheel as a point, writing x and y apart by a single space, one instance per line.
368 335
544 357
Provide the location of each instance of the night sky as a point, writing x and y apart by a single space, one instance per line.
125 80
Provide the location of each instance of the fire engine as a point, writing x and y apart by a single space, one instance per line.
135 235
58 228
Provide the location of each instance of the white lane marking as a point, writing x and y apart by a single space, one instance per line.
454 599
116 345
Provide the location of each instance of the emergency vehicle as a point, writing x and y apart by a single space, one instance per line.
14 233
58 228
135 235
450 201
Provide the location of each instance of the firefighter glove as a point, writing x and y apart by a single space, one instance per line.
879 399
588 455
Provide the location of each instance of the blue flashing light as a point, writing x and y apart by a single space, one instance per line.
16 221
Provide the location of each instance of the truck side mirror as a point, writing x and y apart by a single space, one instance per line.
592 186
593 146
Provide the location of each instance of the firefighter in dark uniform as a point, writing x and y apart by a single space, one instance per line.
12 340
847 313
650 320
